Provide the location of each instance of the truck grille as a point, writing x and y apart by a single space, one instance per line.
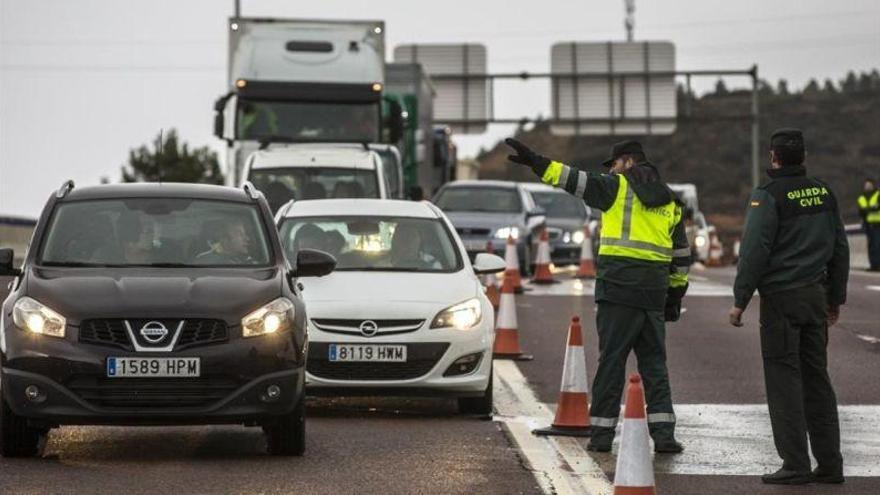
144 393
112 333
421 359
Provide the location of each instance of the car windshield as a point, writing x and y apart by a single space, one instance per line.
487 199
375 243
558 204
160 232
280 185
308 121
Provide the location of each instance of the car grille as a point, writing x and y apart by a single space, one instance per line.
553 233
421 359
112 333
463 231
145 393
353 327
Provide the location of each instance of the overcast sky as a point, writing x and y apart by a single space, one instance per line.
81 82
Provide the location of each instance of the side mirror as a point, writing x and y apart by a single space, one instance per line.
396 122
219 116
6 259
488 263
313 263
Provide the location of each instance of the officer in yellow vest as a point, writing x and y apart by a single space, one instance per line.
642 275
869 210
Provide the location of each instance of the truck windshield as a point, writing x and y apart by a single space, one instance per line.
159 232
308 121
367 243
280 185
560 205
486 199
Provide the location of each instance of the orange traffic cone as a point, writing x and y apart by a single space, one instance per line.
634 474
716 250
573 406
490 281
543 275
512 259
506 331
587 269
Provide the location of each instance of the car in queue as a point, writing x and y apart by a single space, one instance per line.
297 171
404 312
698 230
154 304
567 217
483 211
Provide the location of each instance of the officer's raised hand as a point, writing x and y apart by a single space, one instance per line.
525 156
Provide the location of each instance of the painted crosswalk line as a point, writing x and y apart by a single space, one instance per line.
699 287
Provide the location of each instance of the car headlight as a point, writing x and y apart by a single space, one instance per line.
31 315
700 241
505 232
577 237
275 317
462 316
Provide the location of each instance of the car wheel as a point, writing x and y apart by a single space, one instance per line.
481 405
286 436
17 439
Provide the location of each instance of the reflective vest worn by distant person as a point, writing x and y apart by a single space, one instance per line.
871 207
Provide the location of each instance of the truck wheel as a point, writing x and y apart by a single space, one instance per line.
17 439
481 405
286 435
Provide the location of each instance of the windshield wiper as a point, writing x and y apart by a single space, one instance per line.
164 265
74 264
380 269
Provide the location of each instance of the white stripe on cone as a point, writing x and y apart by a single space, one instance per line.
510 255
506 313
543 256
574 370
634 465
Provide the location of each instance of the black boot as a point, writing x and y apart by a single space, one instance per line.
829 476
601 439
663 435
668 447
788 477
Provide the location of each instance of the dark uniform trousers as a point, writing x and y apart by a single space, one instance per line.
794 337
623 329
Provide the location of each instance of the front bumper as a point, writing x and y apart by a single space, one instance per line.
565 254
72 377
430 353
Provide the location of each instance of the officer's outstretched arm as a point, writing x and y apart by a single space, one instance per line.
758 237
596 190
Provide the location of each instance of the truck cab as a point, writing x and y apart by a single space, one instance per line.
317 171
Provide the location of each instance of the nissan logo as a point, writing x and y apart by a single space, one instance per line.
369 328
154 332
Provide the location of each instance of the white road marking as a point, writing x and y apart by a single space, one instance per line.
699 287
736 439
873 287
560 464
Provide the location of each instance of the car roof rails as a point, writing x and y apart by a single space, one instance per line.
251 191
64 189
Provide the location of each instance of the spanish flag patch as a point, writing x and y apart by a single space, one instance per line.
755 203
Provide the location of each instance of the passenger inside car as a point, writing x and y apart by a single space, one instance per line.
229 245
407 249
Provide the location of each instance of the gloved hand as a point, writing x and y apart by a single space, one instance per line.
672 312
526 156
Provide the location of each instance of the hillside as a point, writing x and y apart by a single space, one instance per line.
841 124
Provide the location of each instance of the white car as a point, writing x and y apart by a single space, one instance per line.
404 312
300 171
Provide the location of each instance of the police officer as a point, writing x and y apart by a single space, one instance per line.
642 276
794 251
869 210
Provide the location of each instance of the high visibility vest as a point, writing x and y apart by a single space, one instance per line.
632 230
873 205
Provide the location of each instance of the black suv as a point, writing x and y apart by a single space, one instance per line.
154 304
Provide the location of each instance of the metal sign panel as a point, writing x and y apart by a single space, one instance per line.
613 88
461 102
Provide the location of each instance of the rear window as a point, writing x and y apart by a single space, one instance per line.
560 205
160 232
484 199
280 185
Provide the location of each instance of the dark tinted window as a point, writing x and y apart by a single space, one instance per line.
308 121
486 199
280 185
560 204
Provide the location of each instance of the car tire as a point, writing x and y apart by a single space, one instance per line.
481 405
17 438
286 435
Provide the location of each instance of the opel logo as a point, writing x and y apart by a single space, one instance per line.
154 332
369 328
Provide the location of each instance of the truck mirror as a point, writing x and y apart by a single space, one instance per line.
219 109
395 122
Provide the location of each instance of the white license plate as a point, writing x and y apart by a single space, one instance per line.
367 352
126 367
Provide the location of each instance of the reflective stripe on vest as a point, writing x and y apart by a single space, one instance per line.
873 202
631 230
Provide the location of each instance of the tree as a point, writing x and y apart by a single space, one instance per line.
721 88
849 85
812 87
829 87
782 88
171 161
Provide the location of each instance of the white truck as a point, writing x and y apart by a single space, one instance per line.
698 230
302 81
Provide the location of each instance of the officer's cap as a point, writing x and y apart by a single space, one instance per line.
788 138
623 148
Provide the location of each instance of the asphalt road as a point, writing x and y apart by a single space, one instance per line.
422 446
